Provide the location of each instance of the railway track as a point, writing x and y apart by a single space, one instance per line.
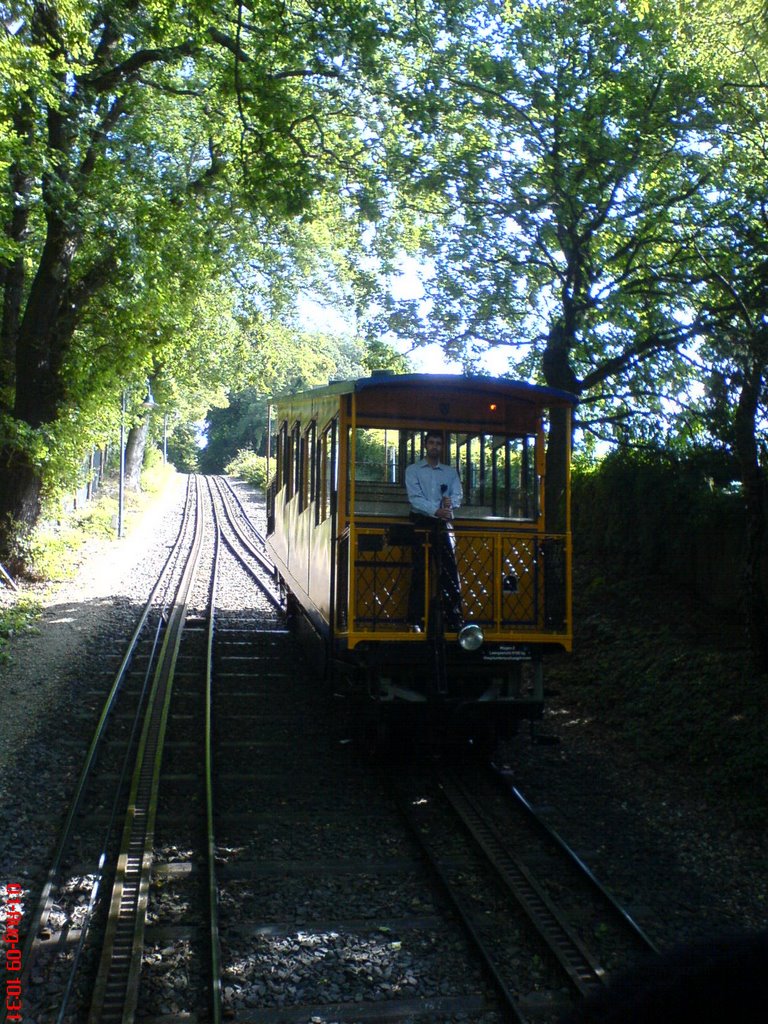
61 923
125 762
239 858
507 874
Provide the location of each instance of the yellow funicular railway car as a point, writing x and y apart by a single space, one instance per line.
347 547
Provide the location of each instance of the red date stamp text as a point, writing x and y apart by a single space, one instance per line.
12 950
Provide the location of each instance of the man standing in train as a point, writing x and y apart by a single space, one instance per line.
434 492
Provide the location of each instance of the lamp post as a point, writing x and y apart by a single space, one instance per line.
121 478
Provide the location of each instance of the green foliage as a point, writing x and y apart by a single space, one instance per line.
284 359
15 620
381 356
661 660
156 474
371 454
183 451
242 425
720 33
249 467
54 550
637 510
568 146
163 170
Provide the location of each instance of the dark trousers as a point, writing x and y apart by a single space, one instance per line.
443 563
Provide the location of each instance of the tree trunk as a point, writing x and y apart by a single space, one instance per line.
558 373
12 276
754 499
20 504
41 343
45 333
134 454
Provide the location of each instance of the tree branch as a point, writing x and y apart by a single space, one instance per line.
129 69
233 45
168 90
642 350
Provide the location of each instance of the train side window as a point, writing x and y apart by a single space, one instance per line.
376 455
282 442
382 456
306 479
297 453
327 470
293 463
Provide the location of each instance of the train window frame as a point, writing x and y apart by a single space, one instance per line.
327 474
281 442
381 493
506 488
293 463
494 487
306 477
391 469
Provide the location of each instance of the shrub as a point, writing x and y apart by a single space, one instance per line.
248 466
644 511
156 473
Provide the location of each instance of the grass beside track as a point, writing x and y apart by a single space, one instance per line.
17 617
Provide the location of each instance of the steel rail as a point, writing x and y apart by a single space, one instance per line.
116 989
550 833
213 889
243 511
226 494
466 917
585 975
45 902
215 961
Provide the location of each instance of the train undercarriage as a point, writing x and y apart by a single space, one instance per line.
439 692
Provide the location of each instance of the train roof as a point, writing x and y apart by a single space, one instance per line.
539 394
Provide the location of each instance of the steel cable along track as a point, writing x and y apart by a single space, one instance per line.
148 630
116 988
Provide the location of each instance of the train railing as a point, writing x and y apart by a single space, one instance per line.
513 582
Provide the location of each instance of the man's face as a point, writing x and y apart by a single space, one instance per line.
434 448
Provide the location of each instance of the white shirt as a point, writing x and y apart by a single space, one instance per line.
428 485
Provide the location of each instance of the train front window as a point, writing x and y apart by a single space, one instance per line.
497 472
